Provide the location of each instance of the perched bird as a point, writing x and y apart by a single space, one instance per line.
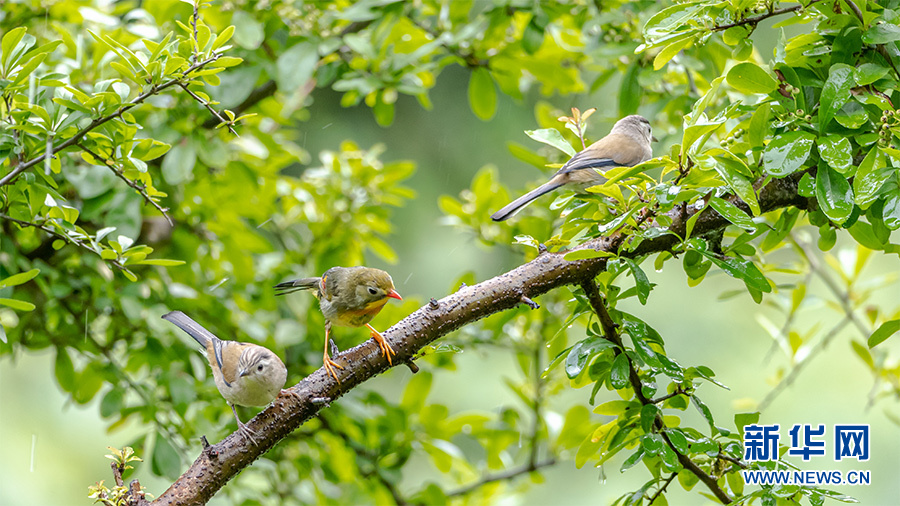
348 297
626 145
246 374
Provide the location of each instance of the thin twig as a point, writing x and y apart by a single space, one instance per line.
843 296
196 44
506 475
64 237
140 188
209 107
662 488
795 372
756 19
857 12
677 392
733 460
265 90
75 139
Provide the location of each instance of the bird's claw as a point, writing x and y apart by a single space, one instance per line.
247 433
386 349
330 365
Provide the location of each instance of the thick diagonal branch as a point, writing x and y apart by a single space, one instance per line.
221 462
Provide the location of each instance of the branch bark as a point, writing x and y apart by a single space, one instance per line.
219 463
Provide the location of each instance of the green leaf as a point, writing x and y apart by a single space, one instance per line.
178 165
648 416
738 176
3 334
160 261
21 305
10 40
870 177
743 419
852 115
732 213
891 211
707 414
836 151
295 66
759 125
632 460
413 399
581 354
652 443
669 52
18 279
222 38
248 31
165 460
482 94
112 402
834 194
787 152
741 269
678 440
551 137
697 131
640 280
881 33
581 254
614 408
618 374
630 90
868 73
748 77
835 92
64 371
884 331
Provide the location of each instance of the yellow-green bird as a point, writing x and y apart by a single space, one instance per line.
348 297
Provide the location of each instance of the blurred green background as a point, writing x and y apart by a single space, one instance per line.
51 449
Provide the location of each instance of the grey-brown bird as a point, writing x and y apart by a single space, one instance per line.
348 297
626 145
246 374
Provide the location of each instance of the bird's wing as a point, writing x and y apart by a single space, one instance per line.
297 284
228 358
614 150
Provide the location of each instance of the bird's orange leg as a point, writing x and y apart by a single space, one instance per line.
326 360
386 349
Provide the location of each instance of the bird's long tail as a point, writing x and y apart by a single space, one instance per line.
514 206
192 328
297 284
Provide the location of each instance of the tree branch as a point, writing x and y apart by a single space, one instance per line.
139 188
219 463
589 285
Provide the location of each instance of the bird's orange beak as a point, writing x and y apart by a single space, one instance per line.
394 295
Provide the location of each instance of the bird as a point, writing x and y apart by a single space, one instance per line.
246 374
626 145
348 297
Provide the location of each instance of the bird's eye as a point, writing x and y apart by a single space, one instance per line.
373 291
259 367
